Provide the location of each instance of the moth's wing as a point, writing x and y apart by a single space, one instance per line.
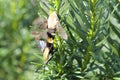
35 34
43 34
40 27
41 45
40 24
62 33
53 21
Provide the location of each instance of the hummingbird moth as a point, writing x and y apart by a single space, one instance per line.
45 32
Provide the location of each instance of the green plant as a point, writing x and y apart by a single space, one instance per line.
92 49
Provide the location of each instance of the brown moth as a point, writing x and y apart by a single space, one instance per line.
45 32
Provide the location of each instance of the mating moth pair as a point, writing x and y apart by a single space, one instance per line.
45 34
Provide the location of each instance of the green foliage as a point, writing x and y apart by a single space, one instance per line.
92 51
16 52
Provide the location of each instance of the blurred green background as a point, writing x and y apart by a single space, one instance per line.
16 43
